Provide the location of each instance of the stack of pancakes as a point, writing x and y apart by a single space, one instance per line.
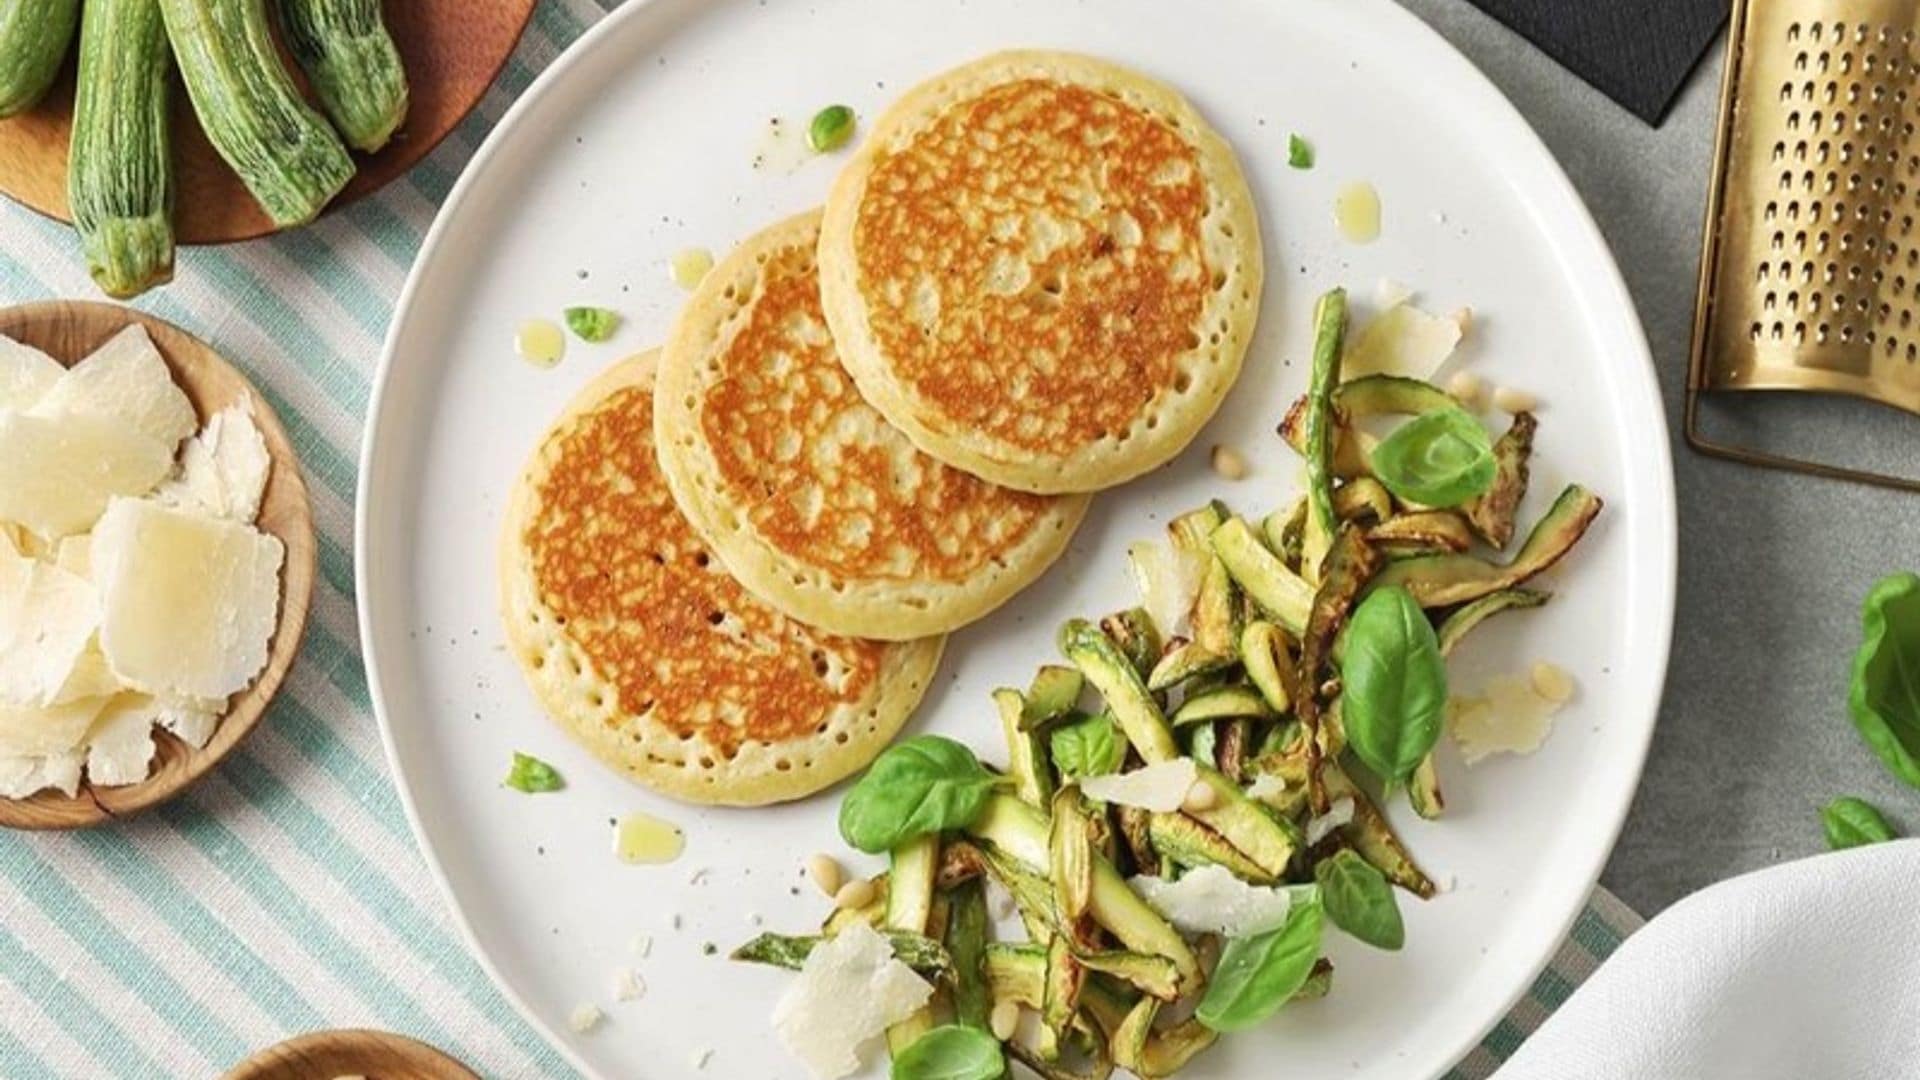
730 564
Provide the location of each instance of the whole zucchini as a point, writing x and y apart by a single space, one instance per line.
34 35
282 149
119 170
349 58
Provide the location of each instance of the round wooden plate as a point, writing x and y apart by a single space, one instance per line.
68 331
452 49
329 1055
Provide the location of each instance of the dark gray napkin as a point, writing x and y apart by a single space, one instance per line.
1637 52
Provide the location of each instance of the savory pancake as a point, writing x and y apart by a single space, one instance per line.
639 643
810 497
1044 268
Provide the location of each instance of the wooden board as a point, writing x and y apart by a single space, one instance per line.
68 331
452 49
329 1055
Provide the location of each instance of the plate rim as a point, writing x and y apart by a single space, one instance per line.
1590 251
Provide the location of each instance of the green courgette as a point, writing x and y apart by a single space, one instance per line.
909 911
1329 336
282 150
1491 515
1447 579
352 65
119 164
1110 671
34 35
917 951
1279 591
1028 763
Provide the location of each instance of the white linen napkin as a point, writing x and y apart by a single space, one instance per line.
1807 971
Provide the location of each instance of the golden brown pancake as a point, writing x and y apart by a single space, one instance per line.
638 642
810 497
1044 268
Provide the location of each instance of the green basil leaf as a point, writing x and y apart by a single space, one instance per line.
592 324
1359 900
1299 152
1851 822
1439 458
951 1052
1256 975
533 776
1395 683
927 784
1885 696
1092 746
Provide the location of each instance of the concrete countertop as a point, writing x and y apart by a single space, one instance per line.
1753 735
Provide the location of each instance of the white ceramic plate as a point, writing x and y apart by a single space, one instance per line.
640 142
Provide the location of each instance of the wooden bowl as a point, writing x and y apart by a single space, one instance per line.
69 330
328 1055
452 50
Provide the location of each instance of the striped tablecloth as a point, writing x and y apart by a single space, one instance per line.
283 894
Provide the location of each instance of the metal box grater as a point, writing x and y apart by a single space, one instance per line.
1810 273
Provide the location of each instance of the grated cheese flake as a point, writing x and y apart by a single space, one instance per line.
849 991
1339 813
1162 786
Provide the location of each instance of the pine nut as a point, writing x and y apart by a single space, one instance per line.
1467 388
1004 1018
1509 400
1228 463
826 873
1200 796
854 895
1552 682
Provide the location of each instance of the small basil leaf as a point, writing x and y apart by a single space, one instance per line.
1299 152
1439 458
951 1052
1885 695
592 324
1395 683
926 784
533 776
1092 746
1256 975
1359 900
1851 822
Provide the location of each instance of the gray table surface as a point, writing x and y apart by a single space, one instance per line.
1753 735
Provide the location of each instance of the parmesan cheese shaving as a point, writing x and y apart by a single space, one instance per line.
26 374
47 620
1169 581
849 991
124 382
1162 786
1509 718
120 746
188 603
24 776
1402 340
223 470
1210 900
1339 813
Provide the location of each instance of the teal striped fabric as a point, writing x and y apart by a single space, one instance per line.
283 894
